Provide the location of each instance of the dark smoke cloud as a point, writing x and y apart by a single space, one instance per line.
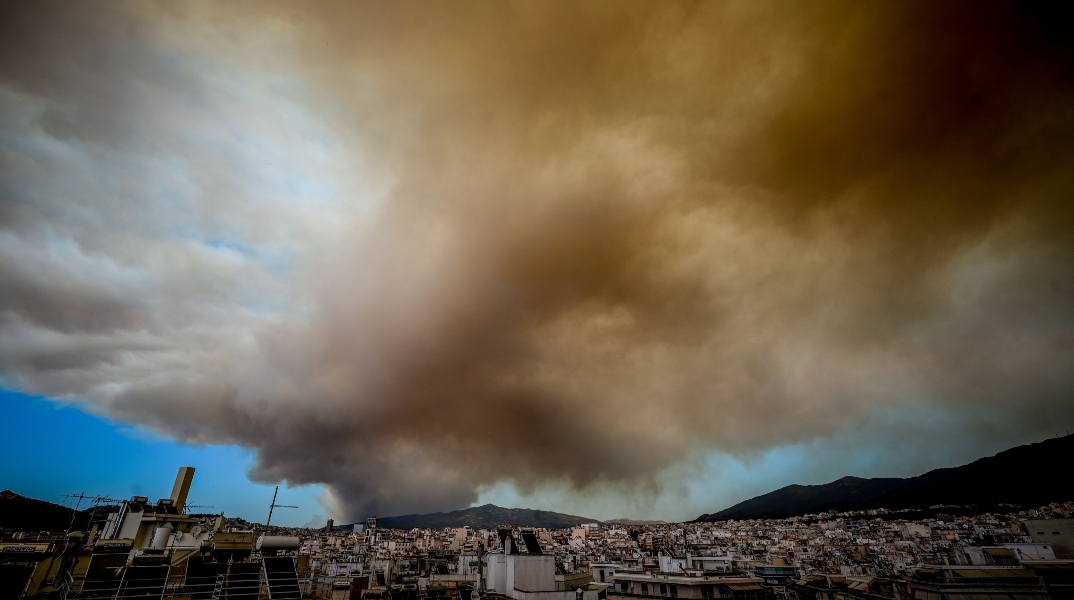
564 245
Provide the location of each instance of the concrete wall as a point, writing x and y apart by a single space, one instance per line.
670 564
586 595
710 563
496 575
1057 532
130 528
512 573
534 573
1032 551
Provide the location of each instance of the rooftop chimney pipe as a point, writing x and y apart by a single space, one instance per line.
182 487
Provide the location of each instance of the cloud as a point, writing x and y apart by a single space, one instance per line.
416 252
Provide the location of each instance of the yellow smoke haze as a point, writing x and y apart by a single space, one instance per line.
550 244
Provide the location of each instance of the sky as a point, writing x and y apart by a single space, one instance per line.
53 451
616 259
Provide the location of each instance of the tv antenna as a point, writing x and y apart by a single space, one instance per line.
275 506
81 496
84 496
74 512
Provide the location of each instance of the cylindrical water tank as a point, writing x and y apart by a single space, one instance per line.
278 542
160 537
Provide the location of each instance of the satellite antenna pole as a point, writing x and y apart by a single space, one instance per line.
70 525
275 506
74 512
272 506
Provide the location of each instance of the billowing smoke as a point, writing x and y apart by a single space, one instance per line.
411 250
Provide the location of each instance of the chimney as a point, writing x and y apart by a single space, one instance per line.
182 487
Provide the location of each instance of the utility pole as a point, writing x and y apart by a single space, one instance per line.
275 506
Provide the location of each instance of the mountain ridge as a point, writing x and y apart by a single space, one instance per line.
1028 475
22 513
487 516
988 481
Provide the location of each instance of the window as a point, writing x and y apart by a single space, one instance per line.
663 589
645 588
673 590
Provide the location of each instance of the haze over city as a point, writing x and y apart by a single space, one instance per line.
612 259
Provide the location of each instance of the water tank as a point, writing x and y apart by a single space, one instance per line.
278 542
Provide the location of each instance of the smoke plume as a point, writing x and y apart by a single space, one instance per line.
413 250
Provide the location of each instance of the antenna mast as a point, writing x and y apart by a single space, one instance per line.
275 506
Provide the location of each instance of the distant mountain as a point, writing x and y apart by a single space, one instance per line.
488 516
1029 475
626 521
20 513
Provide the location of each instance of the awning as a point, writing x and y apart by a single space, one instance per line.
957 596
1042 566
744 586
1009 573
969 573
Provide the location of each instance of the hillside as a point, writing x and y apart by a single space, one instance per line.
1028 475
20 513
635 522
